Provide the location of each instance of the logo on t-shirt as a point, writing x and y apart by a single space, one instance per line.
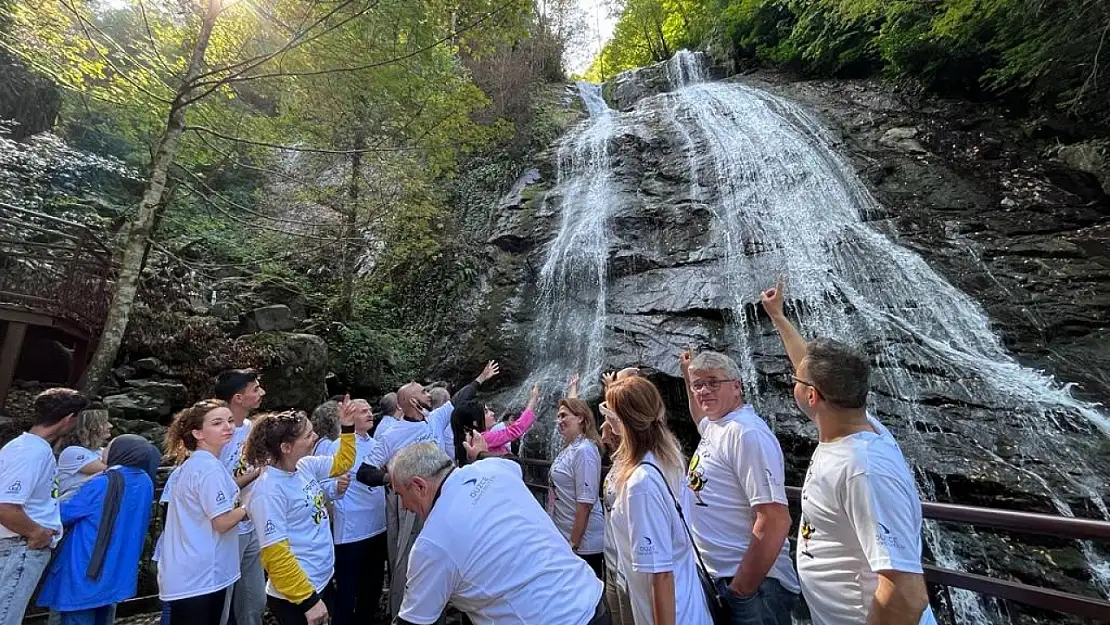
887 539
221 497
270 527
645 548
320 511
16 487
695 477
479 488
806 531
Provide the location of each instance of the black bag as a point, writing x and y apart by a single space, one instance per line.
719 609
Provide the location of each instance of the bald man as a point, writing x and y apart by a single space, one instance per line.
419 423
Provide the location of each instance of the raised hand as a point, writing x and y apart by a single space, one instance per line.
491 370
684 359
346 411
572 387
475 444
608 378
534 397
772 300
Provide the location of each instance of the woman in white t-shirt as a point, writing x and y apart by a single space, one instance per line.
199 557
288 507
574 501
79 459
654 550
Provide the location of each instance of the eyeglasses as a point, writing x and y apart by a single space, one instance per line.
807 383
712 384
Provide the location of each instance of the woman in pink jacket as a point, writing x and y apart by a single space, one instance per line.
473 416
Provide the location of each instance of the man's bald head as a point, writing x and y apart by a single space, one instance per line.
405 396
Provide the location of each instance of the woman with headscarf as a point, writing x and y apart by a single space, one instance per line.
106 521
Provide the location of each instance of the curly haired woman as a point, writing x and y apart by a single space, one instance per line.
289 512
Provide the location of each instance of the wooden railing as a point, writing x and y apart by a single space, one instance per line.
55 268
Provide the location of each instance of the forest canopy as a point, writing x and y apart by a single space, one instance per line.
1048 54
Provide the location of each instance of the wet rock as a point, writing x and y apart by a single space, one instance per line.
153 366
903 140
151 400
628 88
275 318
1092 157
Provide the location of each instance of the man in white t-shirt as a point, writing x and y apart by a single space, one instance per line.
740 519
524 573
30 521
859 541
241 389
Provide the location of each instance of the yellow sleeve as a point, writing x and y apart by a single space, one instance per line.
343 459
287 576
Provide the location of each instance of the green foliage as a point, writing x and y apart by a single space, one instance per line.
1054 54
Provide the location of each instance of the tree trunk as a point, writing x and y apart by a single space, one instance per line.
350 245
138 236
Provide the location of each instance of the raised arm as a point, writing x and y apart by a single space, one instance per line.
517 429
684 359
791 339
470 390
572 387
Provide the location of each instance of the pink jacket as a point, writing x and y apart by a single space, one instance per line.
499 441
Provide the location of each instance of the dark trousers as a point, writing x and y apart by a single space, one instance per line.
596 562
359 573
289 613
200 609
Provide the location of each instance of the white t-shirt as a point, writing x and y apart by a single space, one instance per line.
860 514
292 506
523 573
608 499
360 512
70 462
28 479
574 478
164 499
440 420
196 559
235 461
738 465
387 422
652 539
404 433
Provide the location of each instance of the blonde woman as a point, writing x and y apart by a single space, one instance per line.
575 483
80 450
655 553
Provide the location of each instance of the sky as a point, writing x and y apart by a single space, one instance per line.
600 27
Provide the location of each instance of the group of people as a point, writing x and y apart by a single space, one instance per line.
304 516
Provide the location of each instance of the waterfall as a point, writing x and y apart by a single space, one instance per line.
569 330
785 203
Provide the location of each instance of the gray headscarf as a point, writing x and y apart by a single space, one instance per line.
127 450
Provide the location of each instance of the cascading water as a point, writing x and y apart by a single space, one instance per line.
786 204
569 329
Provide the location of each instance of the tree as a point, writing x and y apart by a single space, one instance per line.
239 54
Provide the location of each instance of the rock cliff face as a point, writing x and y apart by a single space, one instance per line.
695 224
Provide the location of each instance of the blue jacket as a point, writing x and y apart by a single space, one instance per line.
66 588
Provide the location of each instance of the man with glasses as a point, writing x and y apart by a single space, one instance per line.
523 573
740 520
859 541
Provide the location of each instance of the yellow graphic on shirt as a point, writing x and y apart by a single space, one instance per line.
695 477
56 490
241 467
806 531
320 511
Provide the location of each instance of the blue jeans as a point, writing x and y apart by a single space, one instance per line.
770 605
248 599
104 615
165 613
20 569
